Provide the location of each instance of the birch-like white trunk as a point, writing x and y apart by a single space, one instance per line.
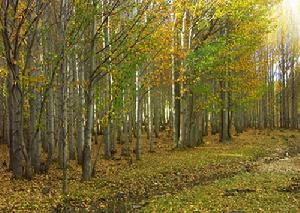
182 101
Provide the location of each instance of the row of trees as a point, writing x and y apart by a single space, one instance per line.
71 70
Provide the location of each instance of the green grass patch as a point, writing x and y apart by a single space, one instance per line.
246 192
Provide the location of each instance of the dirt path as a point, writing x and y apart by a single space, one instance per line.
284 165
287 161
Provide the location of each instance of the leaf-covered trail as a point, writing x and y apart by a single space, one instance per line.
273 185
123 185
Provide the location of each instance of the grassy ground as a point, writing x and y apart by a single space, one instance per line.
246 192
168 180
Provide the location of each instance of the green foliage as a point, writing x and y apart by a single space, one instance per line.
206 58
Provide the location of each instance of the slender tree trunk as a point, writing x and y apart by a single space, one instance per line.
34 140
151 144
63 95
294 110
156 116
175 89
87 147
71 106
182 100
81 118
50 127
86 165
138 115
191 128
2 112
224 125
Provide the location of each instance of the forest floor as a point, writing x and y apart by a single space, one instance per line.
256 171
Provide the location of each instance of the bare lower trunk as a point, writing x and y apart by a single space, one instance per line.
156 116
224 124
80 119
151 144
86 166
138 118
190 138
50 127
294 112
16 132
2 113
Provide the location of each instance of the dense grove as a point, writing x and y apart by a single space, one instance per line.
90 80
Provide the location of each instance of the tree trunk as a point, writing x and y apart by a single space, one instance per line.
156 116
224 125
50 127
151 144
81 118
63 95
294 111
86 165
138 114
